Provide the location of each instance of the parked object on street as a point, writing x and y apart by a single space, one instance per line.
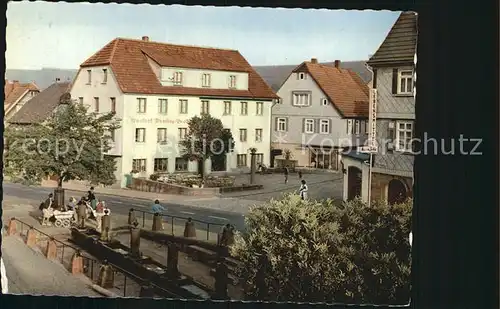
63 218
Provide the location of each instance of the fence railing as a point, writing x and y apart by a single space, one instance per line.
128 284
209 227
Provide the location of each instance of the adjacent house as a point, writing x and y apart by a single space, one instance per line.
323 109
155 88
40 108
393 78
16 95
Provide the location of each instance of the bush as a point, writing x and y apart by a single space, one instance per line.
154 177
324 252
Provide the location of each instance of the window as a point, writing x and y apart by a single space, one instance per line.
324 126
141 105
181 164
104 76
161 165
241 160
113 104
259 158
324 101
140 135
182 133
404 136
281 124
89 77
183 106
301 99
139 165
227 107
309 125
244 108
161 135
96 104
162 106
205 107
357 127
178 78
80 100
232 81
243 135
259 108
349 126
405 82
301 76
258 135
205 80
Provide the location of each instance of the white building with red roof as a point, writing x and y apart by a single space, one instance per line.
155 88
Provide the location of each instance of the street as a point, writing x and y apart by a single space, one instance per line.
121 205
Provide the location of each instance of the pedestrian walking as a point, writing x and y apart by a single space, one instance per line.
303 190
300 175
285 171
157 208
91 197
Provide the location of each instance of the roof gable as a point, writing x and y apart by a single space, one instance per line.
16 91
128 60
399 46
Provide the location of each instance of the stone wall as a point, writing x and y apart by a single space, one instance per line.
146 185
380 182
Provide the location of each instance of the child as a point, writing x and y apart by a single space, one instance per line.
303 190
286 174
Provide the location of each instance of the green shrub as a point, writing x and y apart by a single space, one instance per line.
324 252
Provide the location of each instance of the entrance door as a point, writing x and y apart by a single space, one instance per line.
354 179
396 192
219 163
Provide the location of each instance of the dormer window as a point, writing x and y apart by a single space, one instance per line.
324 101
104 76
89 77
405 82
301 99
301 75
178 78
232 81
205 80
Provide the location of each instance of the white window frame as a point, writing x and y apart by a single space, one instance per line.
301 99
281 122
112 103
259 108
182 133
139 165
163 106
408 128
177 78
206 80
80 100
140 138
161 162
301 75
244 108
407 76
258 135
241 157
232 81
183 103
349 126
324 101
205 107
161 138
243 135
141 105
96 104
89 77
308 122
227 108
357 127
322 122
185 163
104 76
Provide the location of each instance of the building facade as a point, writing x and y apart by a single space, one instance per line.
155 88
323 110
16 95
393 67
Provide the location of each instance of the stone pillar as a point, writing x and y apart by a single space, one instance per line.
59 197
135 241
12 228
157 222
227 237
81 213
131 217
105 227
221 280
252 165
189 229
106 276
173 260
31 237
51 251
77 264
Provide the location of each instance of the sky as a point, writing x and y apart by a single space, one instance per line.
63 35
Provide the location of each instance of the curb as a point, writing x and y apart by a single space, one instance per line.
102 291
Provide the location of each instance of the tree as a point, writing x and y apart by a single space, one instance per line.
312 251
206 137
71 144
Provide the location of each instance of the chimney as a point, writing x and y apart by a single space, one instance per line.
337 63
314 60
145 38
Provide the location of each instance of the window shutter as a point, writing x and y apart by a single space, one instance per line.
374 84
414 144
391 133
303 125
316 126
394 81
330 126
275 123
286 124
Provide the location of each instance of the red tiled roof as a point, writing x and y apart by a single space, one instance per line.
343 87
14 91
128 61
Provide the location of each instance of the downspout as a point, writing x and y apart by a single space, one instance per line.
370 154
275 101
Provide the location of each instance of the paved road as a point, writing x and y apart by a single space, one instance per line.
121 205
